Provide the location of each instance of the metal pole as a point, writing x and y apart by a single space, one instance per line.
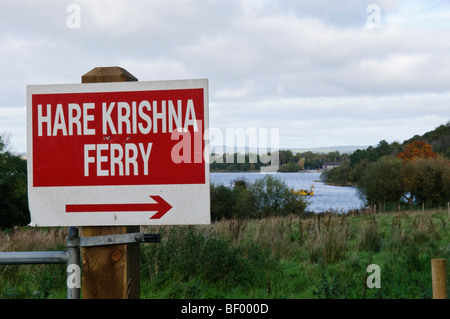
73 266
33 257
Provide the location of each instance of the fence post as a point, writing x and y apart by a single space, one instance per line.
73 261
439 278
110 272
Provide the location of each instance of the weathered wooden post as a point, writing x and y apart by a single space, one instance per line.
439 278
110 272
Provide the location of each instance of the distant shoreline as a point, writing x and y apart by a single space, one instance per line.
259 171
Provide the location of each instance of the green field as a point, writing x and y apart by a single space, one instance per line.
276 257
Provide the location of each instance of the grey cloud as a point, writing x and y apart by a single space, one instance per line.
307 67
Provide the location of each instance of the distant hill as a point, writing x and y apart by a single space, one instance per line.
439 139
328 149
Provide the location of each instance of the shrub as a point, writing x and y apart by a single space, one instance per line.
223 202
267 196
274 198
186 253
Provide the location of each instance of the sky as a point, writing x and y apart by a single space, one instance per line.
324 73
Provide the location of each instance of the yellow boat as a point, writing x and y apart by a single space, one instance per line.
304 192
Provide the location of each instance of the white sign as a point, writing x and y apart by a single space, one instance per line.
121 153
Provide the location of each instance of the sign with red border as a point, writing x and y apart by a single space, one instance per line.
122 153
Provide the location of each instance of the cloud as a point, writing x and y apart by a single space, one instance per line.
157 69
328 121
314 69
13 124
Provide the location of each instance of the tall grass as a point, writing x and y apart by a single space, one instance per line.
322 256
325 238
326 256
33 281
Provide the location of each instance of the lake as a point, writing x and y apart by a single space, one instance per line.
326 197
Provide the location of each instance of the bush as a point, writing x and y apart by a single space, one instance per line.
186 253
274 198
267 196
223 202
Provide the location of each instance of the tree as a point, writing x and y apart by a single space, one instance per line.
431 177
223 202
381 183
423 174
274 198
338 175
417 149
13 188
408 179
372 154
439 139
285 156
245 201
421 181
446 184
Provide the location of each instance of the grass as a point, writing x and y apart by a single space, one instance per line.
324 256
33 281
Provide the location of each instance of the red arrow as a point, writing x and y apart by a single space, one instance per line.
161 207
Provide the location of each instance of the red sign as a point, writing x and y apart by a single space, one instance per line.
128 153
119 138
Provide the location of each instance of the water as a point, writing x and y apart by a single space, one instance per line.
325 197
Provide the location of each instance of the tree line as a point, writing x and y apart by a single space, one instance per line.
288 161
416 172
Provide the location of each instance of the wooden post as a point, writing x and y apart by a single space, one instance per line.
439 278
111 271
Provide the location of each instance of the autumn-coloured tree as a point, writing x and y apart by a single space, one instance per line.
411 152
417 149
